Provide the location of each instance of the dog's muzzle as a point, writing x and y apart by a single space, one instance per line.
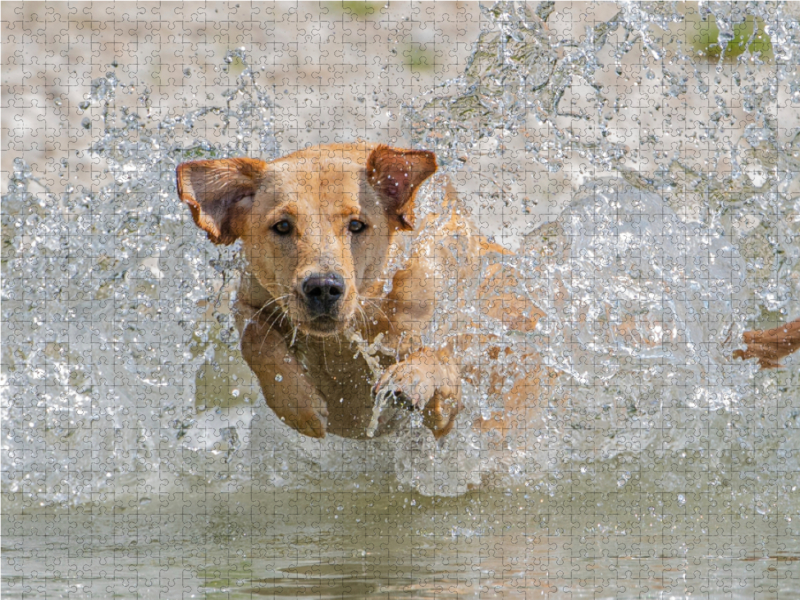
323 294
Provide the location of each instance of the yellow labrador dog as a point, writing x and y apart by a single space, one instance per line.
318 228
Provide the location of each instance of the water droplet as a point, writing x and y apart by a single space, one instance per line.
279 377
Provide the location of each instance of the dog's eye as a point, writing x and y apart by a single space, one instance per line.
356 226
282 227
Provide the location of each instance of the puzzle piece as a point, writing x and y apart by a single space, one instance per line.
504 299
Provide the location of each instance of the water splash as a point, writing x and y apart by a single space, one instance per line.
120 365
111 311
682 234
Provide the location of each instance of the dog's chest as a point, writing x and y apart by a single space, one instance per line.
332 365
342 376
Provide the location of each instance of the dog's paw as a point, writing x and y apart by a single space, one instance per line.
420 383
407 384
308 420
312 423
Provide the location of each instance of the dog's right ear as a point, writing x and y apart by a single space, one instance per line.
220 193
396 175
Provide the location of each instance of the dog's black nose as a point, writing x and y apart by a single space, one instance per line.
323 292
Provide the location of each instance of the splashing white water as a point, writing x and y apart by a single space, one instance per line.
115 361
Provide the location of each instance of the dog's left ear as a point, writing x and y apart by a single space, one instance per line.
396 175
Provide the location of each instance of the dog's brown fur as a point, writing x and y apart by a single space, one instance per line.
312 378
769 346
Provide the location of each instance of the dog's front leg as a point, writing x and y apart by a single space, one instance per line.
286 388
429 380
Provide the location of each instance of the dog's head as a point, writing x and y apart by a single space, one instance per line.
316 225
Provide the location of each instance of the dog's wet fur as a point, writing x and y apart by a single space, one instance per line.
318 228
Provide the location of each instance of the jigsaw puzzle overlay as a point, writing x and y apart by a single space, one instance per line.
531 386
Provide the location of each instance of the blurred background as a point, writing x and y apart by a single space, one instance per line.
336 71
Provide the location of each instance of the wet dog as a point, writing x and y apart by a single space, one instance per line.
318 228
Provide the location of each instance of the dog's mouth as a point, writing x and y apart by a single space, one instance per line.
323 325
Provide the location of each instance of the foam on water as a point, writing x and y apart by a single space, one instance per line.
121 372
